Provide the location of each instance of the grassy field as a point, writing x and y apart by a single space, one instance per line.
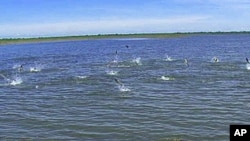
87 37
105 36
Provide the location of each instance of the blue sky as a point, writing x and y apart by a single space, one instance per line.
35 18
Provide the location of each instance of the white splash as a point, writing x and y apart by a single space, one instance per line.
248 66
18 67
111 72
113 63
13 82
122 88
165 78
81 76
115 59
215 59
186 62
137 61
168 58
123 66
35 69
16 81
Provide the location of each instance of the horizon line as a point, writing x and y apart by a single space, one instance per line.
124 34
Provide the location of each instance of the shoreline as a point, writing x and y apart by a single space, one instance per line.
6 41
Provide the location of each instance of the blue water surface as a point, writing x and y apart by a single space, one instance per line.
125 89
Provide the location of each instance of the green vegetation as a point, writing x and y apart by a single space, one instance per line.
86 37
106 36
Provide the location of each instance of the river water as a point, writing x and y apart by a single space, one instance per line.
125 89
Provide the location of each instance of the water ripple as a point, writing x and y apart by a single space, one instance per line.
72 97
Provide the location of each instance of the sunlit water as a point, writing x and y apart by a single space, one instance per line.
66 91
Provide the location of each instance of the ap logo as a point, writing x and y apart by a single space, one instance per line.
239 132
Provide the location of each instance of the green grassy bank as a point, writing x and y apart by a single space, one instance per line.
105 36
86 37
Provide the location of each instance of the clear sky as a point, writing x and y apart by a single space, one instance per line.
34 18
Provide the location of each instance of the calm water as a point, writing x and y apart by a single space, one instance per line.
83 90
